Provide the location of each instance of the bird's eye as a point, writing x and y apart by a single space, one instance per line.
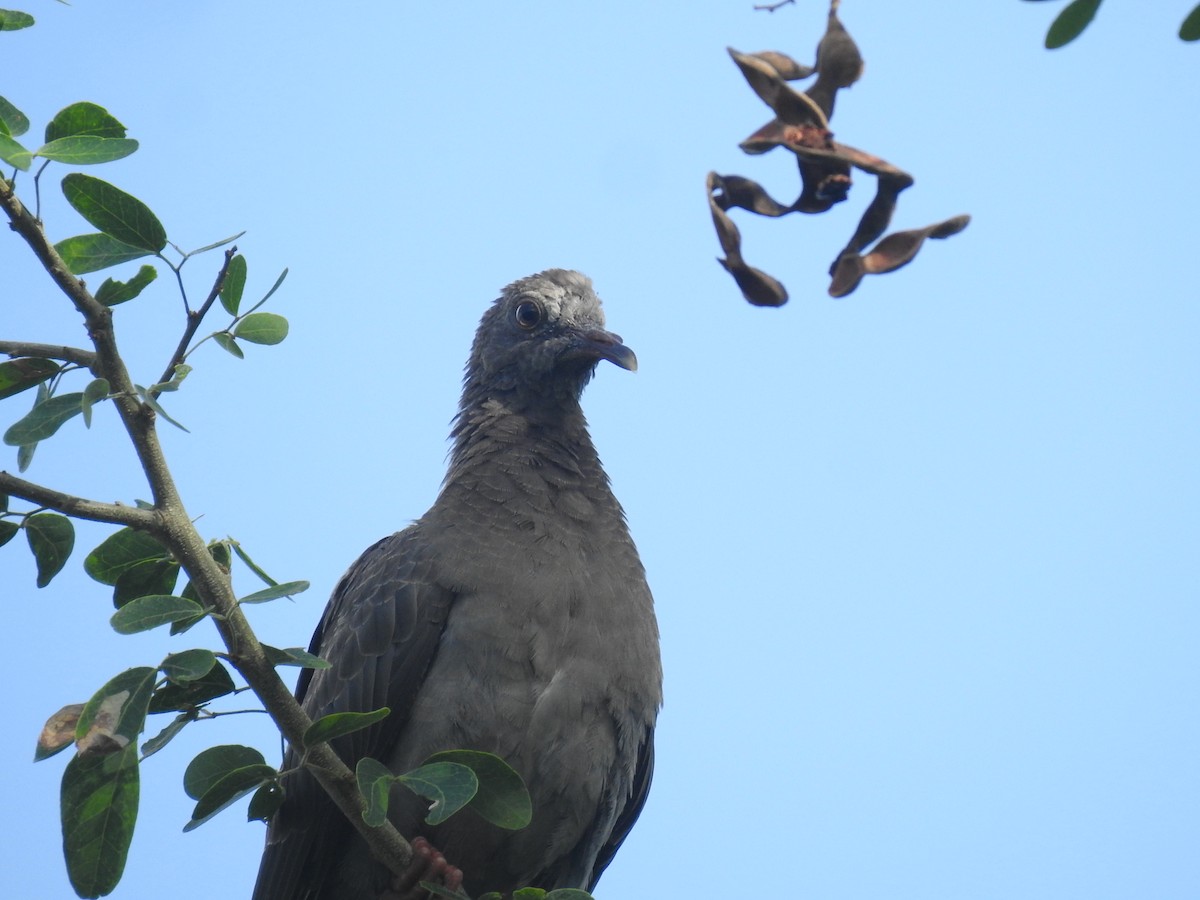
527 314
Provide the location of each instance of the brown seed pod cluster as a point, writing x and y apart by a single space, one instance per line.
801 125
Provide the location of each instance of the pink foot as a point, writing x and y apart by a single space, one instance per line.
427 864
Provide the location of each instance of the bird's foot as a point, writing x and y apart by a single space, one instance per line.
428 864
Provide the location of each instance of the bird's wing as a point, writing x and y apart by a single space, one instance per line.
380 633
642 776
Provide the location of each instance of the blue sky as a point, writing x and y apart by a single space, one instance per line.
924 557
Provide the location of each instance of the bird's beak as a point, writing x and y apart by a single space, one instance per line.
599 344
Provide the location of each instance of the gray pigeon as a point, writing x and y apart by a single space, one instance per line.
513 617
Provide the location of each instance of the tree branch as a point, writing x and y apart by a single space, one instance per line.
79 507
173 526
77 355
197 316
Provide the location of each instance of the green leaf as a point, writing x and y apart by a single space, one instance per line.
151 576
51 538
164 737
252 565
274 288
180 372
214 245
293 656
265 802
566 894
13 122
14 153
229 790
1188 31
262 328
529 893
374 783
334 725
18 375
233 285
187 697
1071 22
149 612
8 531
120 552
44 419
25 456
213 764
502 798
115 715
449 785
84 118
113 292
151 401
287 589
226 342
188 665
99 802
96 391
86 150
86 253
13 20
114 212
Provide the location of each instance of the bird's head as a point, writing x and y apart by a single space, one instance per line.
544 337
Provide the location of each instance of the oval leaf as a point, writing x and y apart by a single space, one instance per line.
44 419
374 783
14 20
213 764
1071 22
233 285
113 292
226 342
92 252
265 802
120 552
1188 31
335 725
14 154
287 589
18 375
84 118
502 798
86 150
229 790
114 212
449 785
149 612
51 538
262 328
8 530
99 802
187 697
163 738
13 122
188 665
294 656
115 715
153 576
59 732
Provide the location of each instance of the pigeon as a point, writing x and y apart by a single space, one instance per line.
514 618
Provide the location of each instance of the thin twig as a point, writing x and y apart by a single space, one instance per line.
196 317
771 7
